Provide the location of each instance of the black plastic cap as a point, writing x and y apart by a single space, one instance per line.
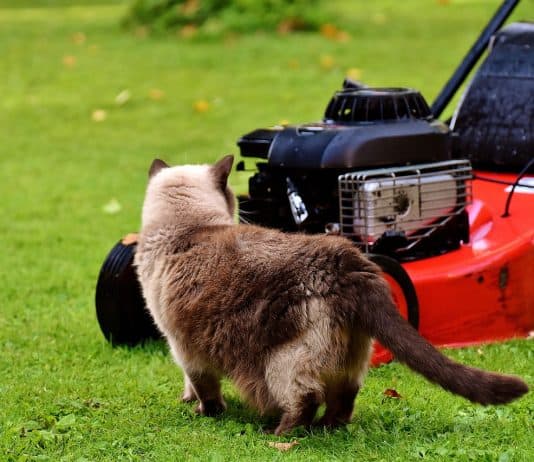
376 105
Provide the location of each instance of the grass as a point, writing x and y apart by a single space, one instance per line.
65 393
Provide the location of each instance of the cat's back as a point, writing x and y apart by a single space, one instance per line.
246 259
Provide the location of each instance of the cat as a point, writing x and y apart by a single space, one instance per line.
289 318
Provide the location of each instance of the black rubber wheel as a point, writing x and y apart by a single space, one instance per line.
393 269
120 307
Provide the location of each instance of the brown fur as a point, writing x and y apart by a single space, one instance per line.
288 317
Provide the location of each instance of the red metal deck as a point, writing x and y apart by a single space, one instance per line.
484 291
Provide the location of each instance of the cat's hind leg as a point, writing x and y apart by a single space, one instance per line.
189 395
189 392
339 397
207 388
341 388
295 387
301 412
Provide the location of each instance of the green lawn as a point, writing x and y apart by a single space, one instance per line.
65 394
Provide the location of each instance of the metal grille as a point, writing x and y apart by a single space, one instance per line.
413 200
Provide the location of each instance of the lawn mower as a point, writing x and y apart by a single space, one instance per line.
445 208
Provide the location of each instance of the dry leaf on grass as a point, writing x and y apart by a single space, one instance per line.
130 239
354 73
201 106
123 97
392 393
99 115
155 94
331 32
69 61
283 446
112 207
78 38
327 62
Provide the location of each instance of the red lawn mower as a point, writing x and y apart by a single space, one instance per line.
446 209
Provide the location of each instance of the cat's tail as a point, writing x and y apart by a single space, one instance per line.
382 321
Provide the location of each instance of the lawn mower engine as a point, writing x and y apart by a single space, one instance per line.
377 169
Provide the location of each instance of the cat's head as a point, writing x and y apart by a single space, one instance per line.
187 190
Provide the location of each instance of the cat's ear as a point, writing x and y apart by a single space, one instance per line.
222 169
157 165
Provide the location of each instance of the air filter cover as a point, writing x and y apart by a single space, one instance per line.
376 104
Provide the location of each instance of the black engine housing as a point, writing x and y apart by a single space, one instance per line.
362 128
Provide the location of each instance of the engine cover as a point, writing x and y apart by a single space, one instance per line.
362 128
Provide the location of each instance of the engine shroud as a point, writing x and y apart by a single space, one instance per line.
361 128
369 130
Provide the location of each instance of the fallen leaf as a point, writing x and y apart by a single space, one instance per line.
201 106
354 73
129 239
327 62
155 94
392 393
123 97
480 352
328 31
99 115
69 61
343 36
78 38
112 207
331 32
283 446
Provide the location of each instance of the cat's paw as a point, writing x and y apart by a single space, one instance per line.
189 397
329 422
211 408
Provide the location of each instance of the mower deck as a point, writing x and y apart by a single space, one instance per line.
484 291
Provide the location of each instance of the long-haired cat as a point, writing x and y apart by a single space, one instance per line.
288 318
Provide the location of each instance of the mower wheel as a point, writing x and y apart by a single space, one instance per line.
402 288
120 307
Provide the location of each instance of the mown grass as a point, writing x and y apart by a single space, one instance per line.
65 394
